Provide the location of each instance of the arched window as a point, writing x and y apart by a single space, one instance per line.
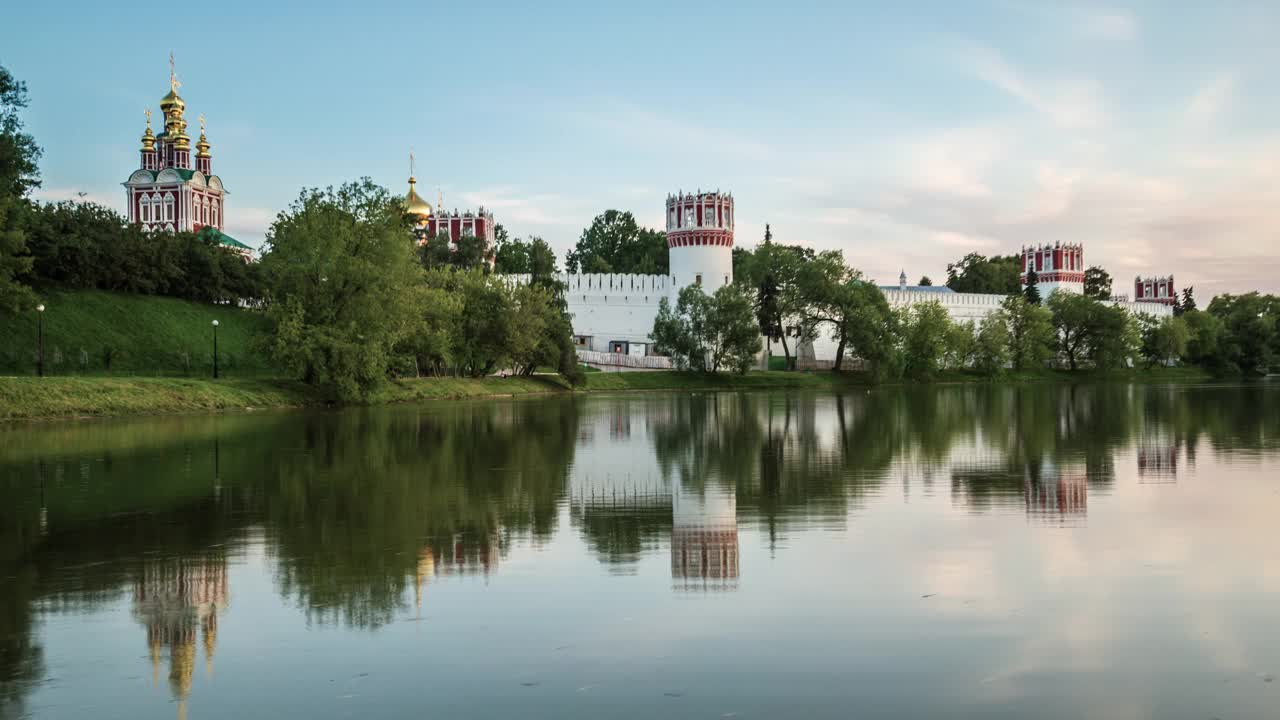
214 216
144 208
168 207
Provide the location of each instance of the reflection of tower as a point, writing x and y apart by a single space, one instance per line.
1058 494
704 539
464 556
178 599
1157 462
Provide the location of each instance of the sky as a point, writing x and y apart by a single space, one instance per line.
905 135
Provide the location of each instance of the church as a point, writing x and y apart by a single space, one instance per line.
171 193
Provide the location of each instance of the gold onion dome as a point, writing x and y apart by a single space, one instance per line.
414 204
171 101
148 139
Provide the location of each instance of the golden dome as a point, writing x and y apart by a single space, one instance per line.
170 101
148 140
414 204
202 147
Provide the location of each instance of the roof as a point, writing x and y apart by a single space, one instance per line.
941 289
224 239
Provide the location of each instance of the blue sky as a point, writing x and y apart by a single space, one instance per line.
904 136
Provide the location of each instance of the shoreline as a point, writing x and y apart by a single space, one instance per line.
84 397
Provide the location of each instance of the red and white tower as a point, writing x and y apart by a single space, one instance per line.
700 240
166 193
1058 267
1155 290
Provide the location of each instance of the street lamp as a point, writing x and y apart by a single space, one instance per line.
215 349
40 340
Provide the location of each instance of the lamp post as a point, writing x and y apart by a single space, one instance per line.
40 340
215 349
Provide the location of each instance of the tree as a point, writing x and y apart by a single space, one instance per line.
1031 336
925 331
975 273
615 243
470 252
774 272
708 333
340 263
511 257
865 325
19 174
1163 340
1032 290
1205 334
961 345
437 251
925 281
1113 337
992 344
1073 318
1188 299
1097 283
1249 320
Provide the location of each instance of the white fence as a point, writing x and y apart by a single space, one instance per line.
641 362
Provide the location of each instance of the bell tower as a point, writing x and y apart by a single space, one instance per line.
700 240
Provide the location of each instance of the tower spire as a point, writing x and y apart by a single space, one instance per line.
173 74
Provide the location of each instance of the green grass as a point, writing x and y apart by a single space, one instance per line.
53 397
25 398
147 335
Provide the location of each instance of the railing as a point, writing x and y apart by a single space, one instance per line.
647 362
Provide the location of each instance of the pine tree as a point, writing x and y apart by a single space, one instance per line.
1188 299
1032 291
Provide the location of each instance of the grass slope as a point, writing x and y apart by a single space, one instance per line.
52 397
147 335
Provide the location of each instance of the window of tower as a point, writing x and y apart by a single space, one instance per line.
697 280
689 219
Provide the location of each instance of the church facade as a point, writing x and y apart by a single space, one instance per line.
172 190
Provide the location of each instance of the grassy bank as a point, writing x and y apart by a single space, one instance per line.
88 332
60 397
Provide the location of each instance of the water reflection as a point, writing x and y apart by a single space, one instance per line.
357 514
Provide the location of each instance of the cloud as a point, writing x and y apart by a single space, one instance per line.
60 194
1108 24
1070 102
512 207
1212 100
248 224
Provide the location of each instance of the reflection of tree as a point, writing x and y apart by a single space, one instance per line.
349 513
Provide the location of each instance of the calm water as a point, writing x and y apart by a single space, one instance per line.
1087 551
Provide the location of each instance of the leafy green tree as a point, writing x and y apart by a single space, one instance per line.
780 299
1097 283
925 281
438 313
1248 344
1032 291
437 251
1031 335
511 257
925 330
470 253
680 332
19 174
1205 333
976 273
1073 321
340 263
1113 337
992 344
733 334
1163 340
615 243
961 345
708 333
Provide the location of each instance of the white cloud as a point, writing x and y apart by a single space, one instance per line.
1212 100
59 194
1110 24
1071 102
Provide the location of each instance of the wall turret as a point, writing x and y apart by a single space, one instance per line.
700 240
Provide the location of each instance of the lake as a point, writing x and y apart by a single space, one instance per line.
1050 551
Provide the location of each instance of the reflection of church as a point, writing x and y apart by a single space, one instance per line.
704 539
178 600
459 557
1057 493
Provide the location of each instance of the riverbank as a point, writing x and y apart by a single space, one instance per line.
30 398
